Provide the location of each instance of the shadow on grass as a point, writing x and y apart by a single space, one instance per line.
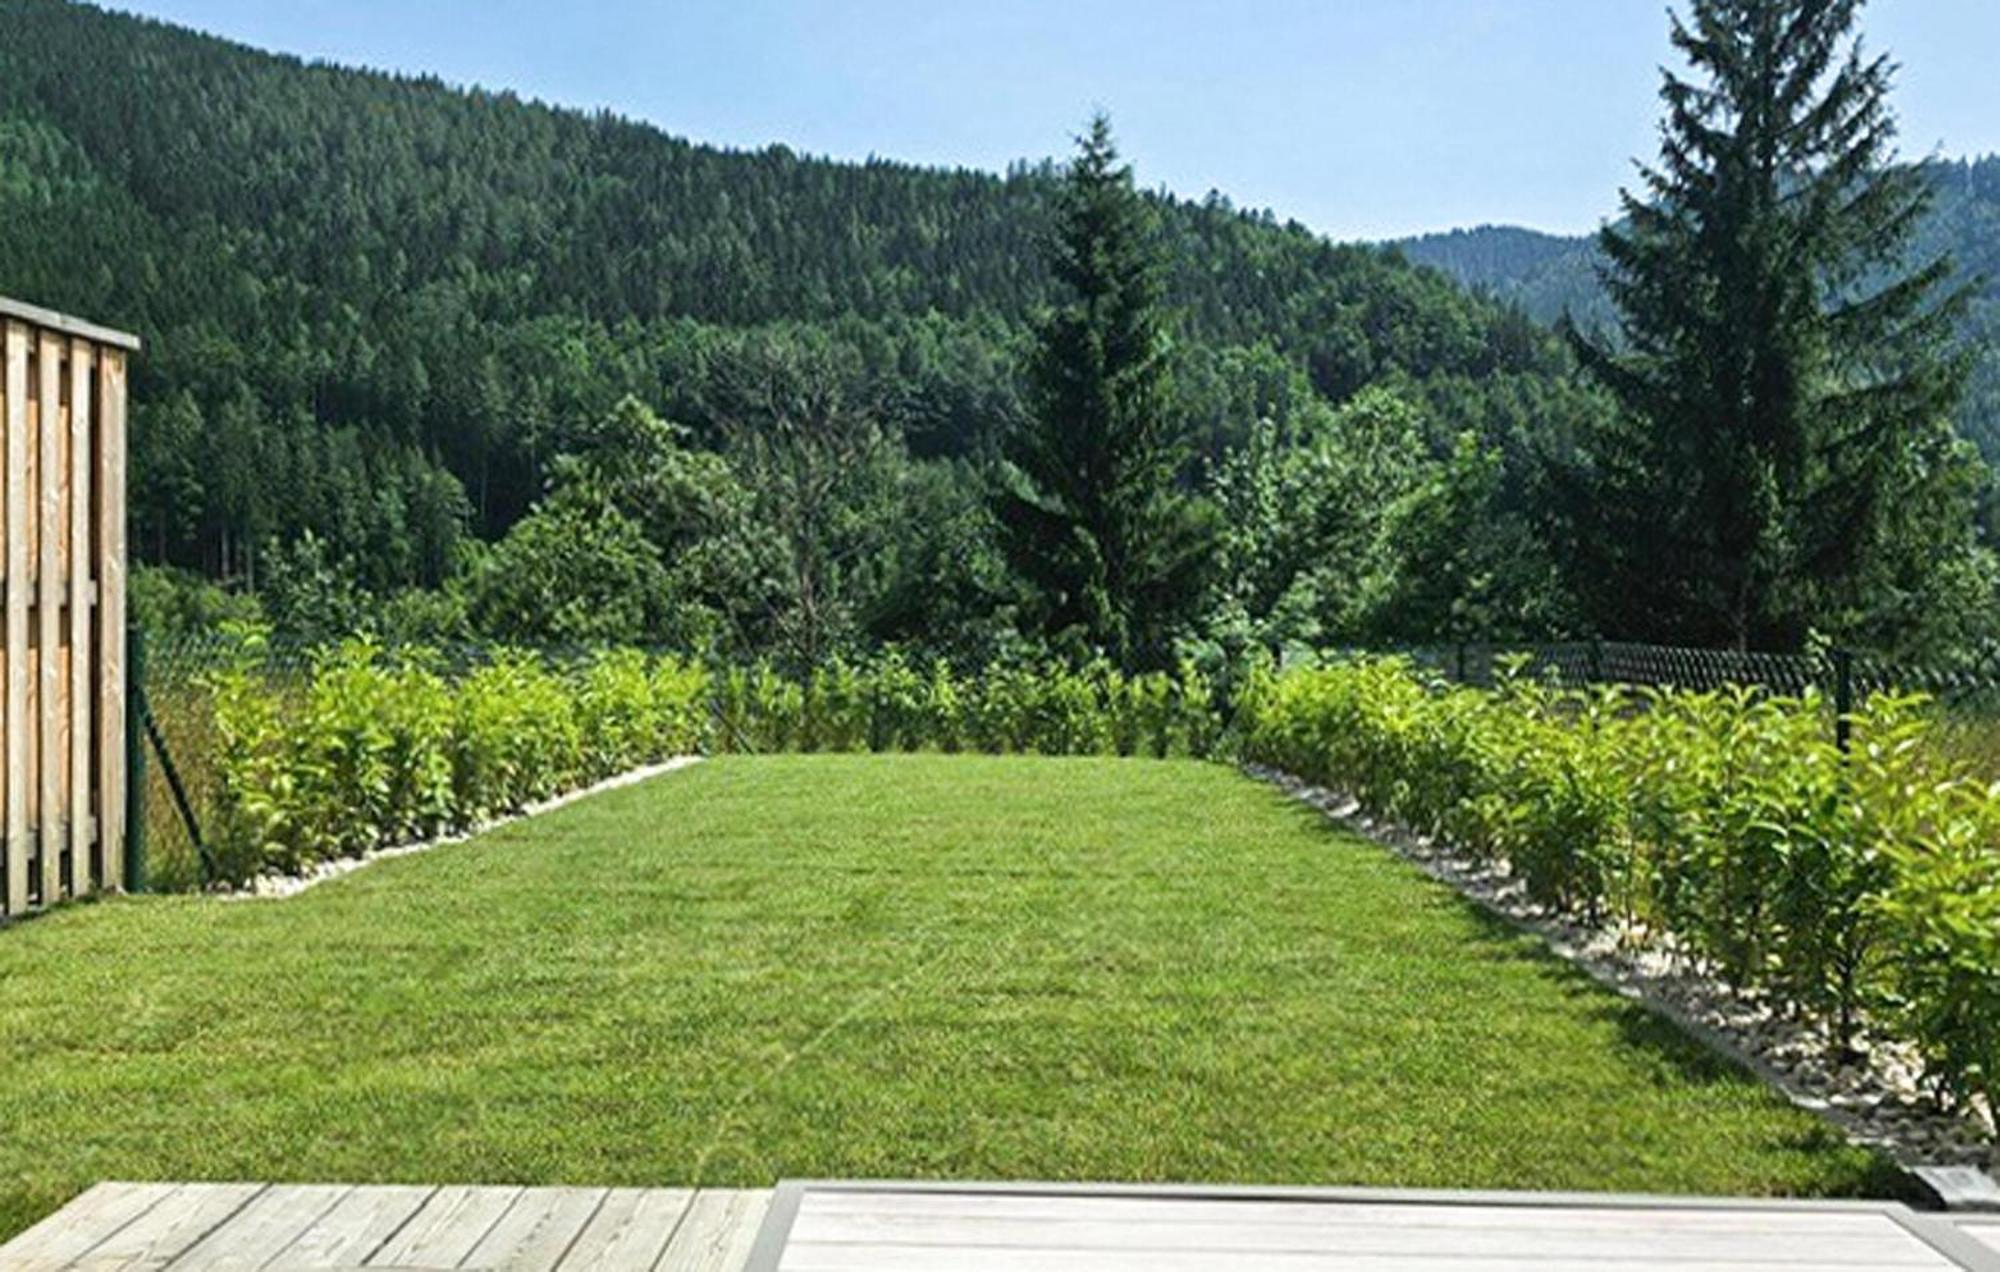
1642 1029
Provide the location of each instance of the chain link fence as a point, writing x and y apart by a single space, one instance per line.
1965 693
177 745
1836 673
180 745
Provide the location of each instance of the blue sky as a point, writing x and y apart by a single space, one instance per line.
1362 118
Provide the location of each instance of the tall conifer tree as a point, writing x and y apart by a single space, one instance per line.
1785 459
1091 513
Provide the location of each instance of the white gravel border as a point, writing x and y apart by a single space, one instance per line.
276 886
1879 1105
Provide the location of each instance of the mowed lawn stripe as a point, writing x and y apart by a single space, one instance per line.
960 966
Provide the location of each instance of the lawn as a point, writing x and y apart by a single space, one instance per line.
865 966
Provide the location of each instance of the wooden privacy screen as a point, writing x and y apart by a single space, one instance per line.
62 677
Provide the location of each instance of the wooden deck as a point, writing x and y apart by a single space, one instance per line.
1002 1228
282 1228
815 1227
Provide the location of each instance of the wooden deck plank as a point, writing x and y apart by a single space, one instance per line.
717 1232
166 1231
257 1232
1219 1230
919 1259
446 1229
537 1230
86 1222
359 1224
1080 1206
848 1228
630 1230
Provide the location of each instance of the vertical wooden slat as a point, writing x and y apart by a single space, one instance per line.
50 427
13 387
16 516
81 366
59 754
110 552
31 499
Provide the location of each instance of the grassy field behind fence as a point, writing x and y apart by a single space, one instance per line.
908 965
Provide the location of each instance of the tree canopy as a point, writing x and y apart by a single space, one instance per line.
1090 507
1787 373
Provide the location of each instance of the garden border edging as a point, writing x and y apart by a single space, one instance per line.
278 887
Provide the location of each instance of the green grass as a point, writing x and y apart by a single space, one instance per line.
862 966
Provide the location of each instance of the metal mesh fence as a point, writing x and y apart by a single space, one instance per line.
1972 683
175 703
178 791
1577 664
185 746
1964 694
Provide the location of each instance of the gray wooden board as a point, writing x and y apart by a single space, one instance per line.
54 321
255 1235
169 1229
70 1233
718 1231
444 1232
356 1227
121 1227
537 1230
859 1227
973 1228
1984 1229
630 1230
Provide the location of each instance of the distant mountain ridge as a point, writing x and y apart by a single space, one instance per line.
1545 274
1548 275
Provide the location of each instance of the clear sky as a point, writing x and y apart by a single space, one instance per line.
1362 118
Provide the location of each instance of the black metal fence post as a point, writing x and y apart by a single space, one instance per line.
1843 698
135 758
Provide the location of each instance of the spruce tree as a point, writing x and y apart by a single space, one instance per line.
1785 370
1092 517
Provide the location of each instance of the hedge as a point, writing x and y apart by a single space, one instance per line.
1859 891
357 747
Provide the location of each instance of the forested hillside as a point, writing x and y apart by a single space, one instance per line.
376 307
1548 274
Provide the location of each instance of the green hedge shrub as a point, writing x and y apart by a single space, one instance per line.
1860 890
367 748
886 704
358 747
